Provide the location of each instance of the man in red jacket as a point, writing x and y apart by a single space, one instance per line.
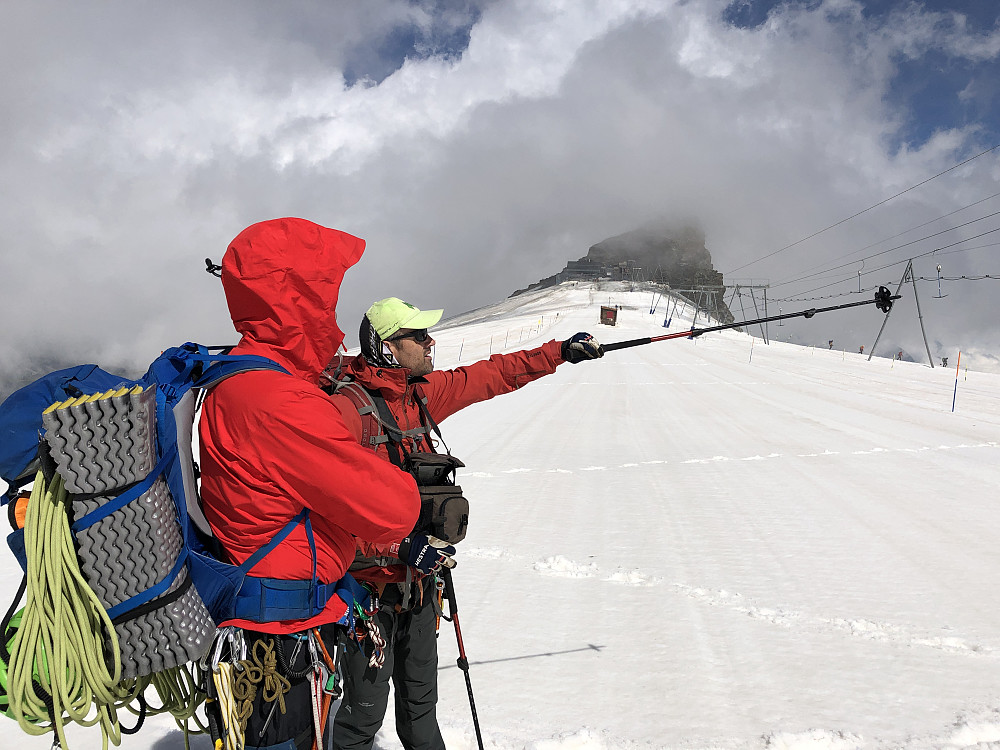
273 445
396 369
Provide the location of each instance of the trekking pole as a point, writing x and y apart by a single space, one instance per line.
463 662
883 300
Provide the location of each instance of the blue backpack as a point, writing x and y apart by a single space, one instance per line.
33 437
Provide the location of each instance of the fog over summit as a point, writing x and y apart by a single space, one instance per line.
479 146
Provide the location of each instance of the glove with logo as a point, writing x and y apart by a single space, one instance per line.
428 554
581 346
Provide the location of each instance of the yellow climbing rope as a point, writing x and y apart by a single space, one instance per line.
265 670
237 685
60 648
180 696
234 729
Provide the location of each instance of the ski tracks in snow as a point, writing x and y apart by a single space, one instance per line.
719 459
880 632
563 567
979 730
887 633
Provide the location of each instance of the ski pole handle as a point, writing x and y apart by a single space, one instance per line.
648 340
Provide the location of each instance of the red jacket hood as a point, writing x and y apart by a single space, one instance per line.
282 278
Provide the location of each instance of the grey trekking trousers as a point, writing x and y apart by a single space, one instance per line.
411 663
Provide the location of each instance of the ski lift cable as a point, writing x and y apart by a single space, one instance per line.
844 277
829 296
884 252
859 213
900 234
969 249
981 277
904 260
993 276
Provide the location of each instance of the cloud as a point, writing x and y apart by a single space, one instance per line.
475 146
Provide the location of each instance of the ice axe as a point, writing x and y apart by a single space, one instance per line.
883 301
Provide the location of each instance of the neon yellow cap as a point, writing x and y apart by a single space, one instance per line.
389 315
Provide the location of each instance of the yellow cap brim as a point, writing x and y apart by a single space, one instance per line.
392 314
423 319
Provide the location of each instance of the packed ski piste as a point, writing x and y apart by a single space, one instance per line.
132 604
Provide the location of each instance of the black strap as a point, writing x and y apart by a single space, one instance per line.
142 716
397 453
395 435
4 640
14 487
422 402
160 601
12 511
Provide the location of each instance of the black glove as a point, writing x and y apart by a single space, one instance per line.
428 554
581 346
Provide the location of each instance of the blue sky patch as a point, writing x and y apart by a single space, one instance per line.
935 91
447 35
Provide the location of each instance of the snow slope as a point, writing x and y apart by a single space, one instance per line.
712 543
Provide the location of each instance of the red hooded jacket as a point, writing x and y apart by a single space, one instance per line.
273 444
446 391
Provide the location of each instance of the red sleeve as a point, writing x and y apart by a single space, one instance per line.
448 391
302 448
349 413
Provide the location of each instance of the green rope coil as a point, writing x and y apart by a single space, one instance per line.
63 631
181 697
65 662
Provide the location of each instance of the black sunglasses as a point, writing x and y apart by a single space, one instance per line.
420 335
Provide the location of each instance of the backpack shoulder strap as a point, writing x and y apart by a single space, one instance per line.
422 403
394 435
372 436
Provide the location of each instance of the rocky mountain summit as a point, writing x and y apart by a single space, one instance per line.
674 256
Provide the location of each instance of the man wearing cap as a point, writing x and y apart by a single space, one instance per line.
396 370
